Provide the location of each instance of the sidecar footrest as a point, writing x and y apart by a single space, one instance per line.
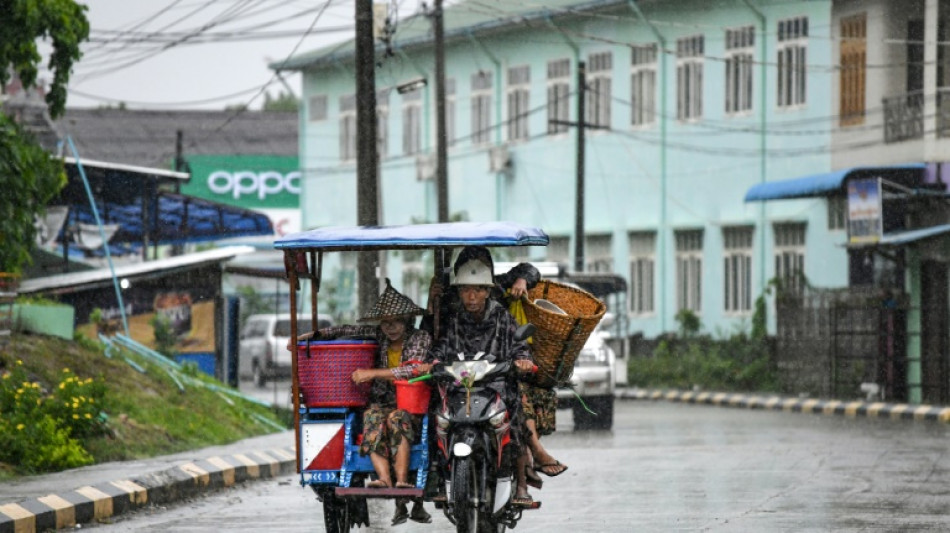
364 492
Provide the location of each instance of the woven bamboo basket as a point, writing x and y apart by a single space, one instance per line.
560 337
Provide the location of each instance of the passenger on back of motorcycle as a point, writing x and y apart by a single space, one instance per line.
484 325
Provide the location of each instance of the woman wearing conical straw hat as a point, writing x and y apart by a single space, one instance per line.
388 431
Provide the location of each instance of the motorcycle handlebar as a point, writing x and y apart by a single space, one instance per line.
438 371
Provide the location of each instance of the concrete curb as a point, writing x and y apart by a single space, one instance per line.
92 503
795 405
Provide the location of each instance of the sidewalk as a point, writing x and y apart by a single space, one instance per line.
82 495
790 404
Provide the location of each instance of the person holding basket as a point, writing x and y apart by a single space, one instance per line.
388 432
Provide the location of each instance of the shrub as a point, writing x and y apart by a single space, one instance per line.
165 338
40 430
736 363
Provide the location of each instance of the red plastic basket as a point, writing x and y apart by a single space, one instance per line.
325 373
412 397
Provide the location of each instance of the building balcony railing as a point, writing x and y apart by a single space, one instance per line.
904 116
943 112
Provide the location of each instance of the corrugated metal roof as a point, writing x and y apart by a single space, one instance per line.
146 138
459 21
65 283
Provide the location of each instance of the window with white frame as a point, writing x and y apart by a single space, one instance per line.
689 270
598 257
837 212
642 266
599 67
558 249
519 91
740 43
792 61
481 107
348 127
643 85
450 112
411 122
689 77
737 269
317 108
559 89
790 255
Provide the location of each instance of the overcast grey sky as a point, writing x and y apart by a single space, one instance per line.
194 54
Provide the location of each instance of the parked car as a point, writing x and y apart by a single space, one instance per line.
262 351
593 382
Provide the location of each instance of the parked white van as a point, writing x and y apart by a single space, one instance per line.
262 351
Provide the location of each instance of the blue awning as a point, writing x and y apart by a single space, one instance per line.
415 236
828 182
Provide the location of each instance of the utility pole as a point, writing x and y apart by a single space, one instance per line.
581 126
579 195
441 142
367 157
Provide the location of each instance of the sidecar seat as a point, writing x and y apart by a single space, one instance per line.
353 462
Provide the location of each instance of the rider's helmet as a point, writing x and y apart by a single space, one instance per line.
474 272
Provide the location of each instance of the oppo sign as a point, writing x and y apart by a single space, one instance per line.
257 184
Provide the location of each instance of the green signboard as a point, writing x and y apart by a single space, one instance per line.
249 181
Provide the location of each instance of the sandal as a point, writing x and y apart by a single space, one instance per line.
404 485
555 464
377 484
401 514
523 501
420 515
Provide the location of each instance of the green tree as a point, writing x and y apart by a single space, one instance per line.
62 22
30 176
282 102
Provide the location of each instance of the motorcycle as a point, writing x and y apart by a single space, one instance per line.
473 435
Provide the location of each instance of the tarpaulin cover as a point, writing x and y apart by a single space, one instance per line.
823 184
415 236
175 219
142 203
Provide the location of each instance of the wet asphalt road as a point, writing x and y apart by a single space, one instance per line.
671 467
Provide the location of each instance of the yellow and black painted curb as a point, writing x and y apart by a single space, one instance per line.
100 502
894 411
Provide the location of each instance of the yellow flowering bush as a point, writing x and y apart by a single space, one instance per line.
40 430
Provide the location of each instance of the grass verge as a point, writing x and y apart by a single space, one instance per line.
144 414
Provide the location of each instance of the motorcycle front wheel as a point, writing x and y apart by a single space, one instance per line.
465 492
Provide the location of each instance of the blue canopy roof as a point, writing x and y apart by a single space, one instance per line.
821 184
415 236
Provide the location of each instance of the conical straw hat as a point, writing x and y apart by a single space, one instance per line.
392 304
